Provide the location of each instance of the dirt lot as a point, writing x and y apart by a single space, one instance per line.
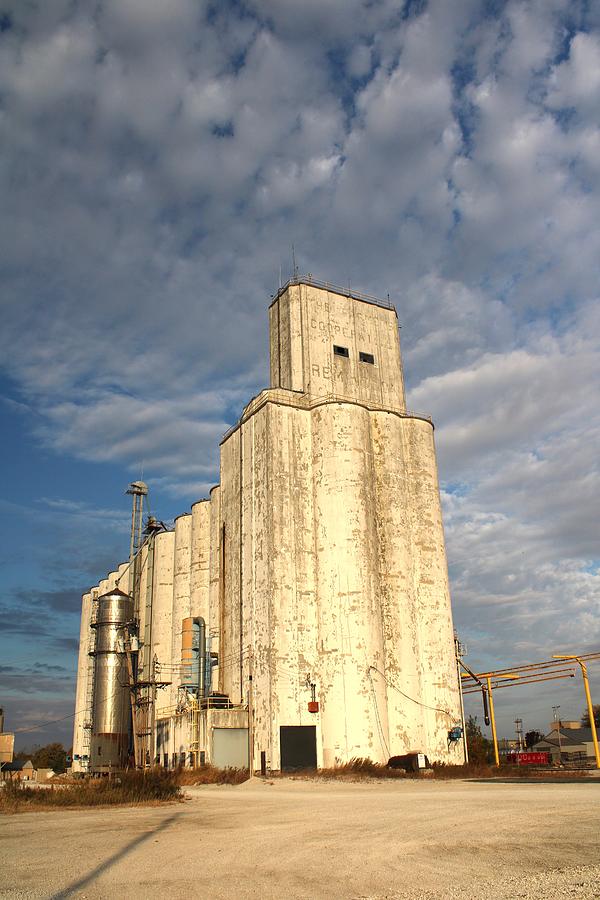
297 839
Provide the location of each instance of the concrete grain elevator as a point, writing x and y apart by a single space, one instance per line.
301 615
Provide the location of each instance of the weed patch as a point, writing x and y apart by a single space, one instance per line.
130 788
358 769
211 775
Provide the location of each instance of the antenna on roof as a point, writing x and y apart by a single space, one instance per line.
294 266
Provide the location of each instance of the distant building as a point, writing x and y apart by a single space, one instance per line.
572 724
575 744
18 770
7 747
508 745
7 742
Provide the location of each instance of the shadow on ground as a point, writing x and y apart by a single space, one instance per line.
112 860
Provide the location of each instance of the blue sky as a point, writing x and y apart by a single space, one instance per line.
159 160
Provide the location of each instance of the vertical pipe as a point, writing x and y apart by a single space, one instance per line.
201 624
149 692
140 521
222 608
590 707
241 566
493 720
462 702
250 722
132 538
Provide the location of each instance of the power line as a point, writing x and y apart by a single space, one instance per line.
412 699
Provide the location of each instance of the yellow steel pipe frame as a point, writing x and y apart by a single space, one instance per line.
475 690
488 679
588 698
550 663
532 677
514 678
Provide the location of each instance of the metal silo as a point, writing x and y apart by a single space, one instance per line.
111 717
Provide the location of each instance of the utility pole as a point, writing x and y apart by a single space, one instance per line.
460 651
557 723
132 695
519 733
250 718
138 490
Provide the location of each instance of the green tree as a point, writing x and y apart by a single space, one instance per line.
479 747
532 737
52 756
585 719
25 753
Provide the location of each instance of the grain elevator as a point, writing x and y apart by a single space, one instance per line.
300 615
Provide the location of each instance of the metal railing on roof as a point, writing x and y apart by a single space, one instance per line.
334 288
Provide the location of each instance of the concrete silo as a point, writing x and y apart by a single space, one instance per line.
111 709
316 570
333 568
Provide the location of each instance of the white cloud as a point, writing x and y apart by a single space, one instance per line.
161 160
576 81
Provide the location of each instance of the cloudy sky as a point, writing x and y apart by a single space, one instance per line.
159 160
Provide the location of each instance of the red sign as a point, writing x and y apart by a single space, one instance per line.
539 758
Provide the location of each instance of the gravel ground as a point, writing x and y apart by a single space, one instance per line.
574 882
309 839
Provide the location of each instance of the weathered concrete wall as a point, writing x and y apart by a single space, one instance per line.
320 557
344 580
306 322
200 561
342 565
354 709
82 701
280 624
231 608
162 614
182 570
215 581
402 670
439 687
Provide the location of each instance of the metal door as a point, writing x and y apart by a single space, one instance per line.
230 748
298 745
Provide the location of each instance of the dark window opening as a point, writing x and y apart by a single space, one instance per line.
366 357
340 351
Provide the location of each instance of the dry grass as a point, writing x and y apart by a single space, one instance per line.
211 775
359 769
486 770
131 788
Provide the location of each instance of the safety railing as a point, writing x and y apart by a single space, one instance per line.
345 291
